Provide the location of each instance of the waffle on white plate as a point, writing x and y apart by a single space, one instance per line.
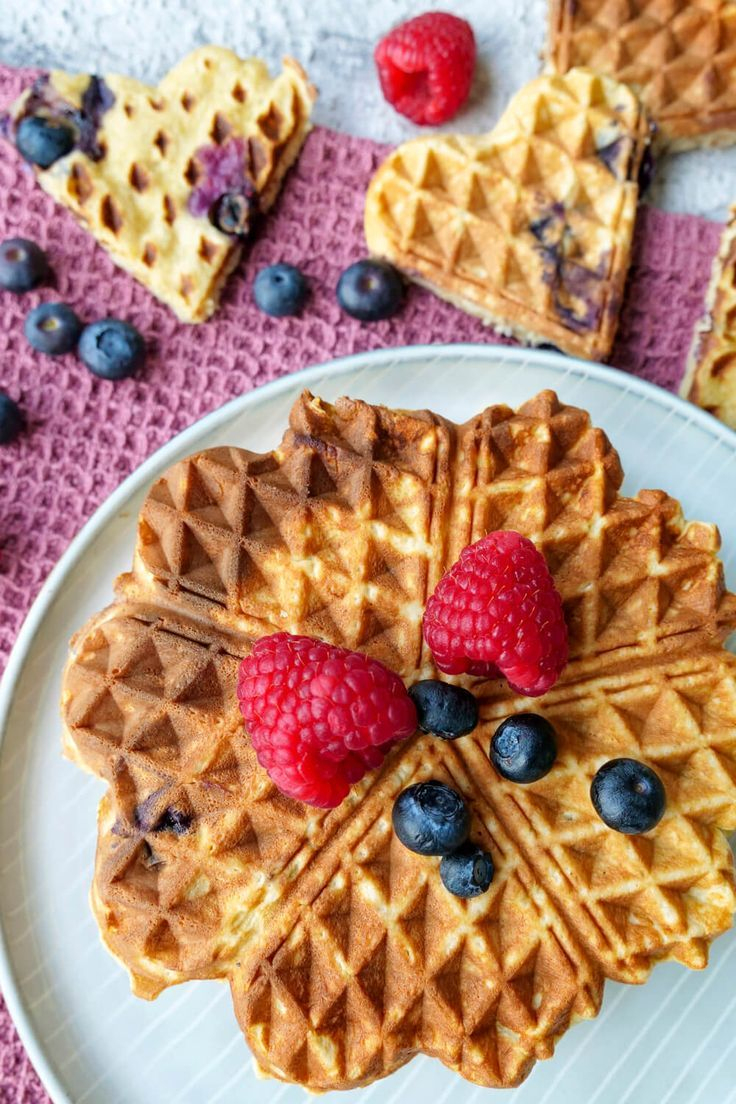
345 953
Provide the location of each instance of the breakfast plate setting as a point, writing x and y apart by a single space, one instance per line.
368 716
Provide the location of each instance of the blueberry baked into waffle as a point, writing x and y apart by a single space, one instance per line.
347 951
529 227
169 179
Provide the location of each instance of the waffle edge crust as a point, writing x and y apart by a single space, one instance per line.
528 227
710 376
345 954
130 182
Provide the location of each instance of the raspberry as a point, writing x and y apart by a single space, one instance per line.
497 611
425 66
318 716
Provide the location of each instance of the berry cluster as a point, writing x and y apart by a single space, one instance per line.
368 290
430 818
497 612
109 347
425 67
113 349
320 717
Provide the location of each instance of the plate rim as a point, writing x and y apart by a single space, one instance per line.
161 458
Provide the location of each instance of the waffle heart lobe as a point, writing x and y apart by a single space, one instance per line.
529 226
345 954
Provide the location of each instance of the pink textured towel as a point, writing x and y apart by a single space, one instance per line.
87 434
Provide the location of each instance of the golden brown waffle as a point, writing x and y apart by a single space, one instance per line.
529 226
680 57
345 954
132 181
710 378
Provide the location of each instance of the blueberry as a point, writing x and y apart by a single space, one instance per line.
280 290
43 141
111 348
174 820
233 212
52 328
443 709
431 818
23 265
628 796
468 871
12 421
523 748
370 291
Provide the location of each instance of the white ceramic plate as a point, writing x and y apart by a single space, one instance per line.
671 1041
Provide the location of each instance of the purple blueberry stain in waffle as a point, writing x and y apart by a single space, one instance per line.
549 228
577 291
223 191
615 156
147 816
577 295
43 100
617 153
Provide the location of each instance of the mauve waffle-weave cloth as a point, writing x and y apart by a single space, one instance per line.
86 435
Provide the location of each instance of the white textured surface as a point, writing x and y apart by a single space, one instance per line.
334 39
670 1041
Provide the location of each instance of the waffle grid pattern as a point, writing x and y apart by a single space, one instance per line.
489 985
679 56
136 198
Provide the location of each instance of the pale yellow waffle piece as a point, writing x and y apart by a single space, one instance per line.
134 199
529 227
680 57
345 954
710 377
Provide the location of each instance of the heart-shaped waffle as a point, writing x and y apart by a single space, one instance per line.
150 165
529 226
345 953
679 56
